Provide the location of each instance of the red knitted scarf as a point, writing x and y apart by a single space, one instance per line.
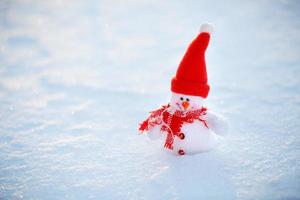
171 121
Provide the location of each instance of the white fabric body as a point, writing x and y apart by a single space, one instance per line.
198 138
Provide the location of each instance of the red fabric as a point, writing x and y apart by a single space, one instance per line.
191 76
171 122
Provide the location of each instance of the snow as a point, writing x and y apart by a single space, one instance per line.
77 77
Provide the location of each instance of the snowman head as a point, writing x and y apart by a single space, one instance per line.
186 102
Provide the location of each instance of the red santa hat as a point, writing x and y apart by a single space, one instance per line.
191 75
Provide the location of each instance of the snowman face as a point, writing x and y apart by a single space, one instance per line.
186 102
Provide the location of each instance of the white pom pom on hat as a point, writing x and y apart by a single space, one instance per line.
207 28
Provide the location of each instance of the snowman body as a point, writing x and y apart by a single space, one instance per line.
198 136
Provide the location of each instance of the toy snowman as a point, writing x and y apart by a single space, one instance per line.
185 125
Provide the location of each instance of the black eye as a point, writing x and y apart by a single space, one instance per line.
181 98
187 99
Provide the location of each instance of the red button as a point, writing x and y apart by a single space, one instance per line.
181 136
181 152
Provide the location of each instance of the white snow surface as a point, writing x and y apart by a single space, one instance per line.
77 77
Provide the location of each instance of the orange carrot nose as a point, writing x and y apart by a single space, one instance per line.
185 105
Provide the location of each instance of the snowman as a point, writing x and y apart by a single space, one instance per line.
185 125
